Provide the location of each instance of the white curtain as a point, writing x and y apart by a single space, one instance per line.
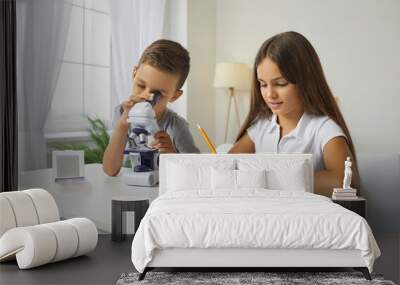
42 27
134 25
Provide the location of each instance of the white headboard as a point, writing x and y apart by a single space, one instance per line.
166 159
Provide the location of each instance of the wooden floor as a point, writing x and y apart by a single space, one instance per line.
102 266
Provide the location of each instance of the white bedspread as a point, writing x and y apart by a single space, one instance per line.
250 219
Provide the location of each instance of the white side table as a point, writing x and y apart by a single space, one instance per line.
138 206
90 197
137 200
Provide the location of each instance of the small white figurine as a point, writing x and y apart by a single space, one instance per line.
347 174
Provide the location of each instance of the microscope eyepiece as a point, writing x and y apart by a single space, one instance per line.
156 97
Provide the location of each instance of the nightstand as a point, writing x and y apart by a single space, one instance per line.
136 199
119 207
358 206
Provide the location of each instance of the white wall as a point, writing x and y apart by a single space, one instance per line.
358 43
201 45
193 23
175 29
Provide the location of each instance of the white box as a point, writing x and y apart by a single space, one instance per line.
68 164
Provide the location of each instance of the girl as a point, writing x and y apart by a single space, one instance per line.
292 109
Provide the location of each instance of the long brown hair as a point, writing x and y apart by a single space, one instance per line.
300 65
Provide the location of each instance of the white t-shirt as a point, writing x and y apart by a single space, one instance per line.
310 136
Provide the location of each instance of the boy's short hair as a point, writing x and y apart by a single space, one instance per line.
168 56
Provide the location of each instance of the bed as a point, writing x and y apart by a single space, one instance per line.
245 211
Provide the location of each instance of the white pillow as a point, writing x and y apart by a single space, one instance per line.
251 178
293 179
223 179
227 179
186 175
282 174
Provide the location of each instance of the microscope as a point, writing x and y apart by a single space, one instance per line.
144 159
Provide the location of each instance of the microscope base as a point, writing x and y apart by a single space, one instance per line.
149 178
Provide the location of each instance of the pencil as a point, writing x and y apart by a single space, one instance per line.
207 140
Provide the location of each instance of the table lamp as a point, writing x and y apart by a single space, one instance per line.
232 76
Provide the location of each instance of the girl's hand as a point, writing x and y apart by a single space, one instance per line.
162 141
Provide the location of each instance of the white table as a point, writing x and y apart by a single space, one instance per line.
89 197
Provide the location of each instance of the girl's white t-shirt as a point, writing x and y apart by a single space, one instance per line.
310 136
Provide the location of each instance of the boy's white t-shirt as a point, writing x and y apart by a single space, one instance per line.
310 136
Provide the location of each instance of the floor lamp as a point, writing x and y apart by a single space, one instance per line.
232 76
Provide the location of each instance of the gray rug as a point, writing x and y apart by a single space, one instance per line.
230 278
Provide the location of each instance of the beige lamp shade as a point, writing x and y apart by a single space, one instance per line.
229 74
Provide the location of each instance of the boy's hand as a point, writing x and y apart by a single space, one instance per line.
162 141
128 104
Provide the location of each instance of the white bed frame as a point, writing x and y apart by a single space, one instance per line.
251 258
236 257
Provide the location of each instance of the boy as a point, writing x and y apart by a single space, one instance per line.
163 67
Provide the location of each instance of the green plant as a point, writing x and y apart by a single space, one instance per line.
99 137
